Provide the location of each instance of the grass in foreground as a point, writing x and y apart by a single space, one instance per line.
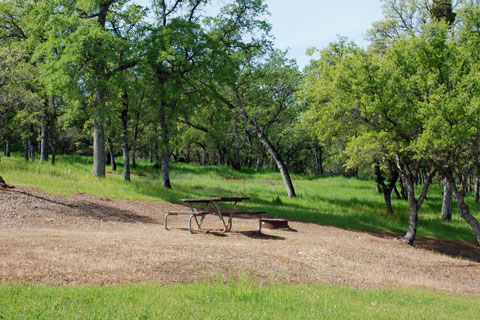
337 201
239 300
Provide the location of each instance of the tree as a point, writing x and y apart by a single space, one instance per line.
378 96
442 9
185 55
173 49
85 48
266 101
405 18
18 103
452 111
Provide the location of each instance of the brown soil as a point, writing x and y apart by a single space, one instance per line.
93 240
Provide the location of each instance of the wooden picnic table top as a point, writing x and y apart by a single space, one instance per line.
215 199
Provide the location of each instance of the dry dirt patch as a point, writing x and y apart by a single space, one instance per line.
94 240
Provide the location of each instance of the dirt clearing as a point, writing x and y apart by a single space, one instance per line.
92 240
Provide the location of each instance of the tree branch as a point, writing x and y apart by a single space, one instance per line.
193 125
123 67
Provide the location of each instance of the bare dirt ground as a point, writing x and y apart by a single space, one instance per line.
92 240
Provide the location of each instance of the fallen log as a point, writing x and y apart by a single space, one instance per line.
4 185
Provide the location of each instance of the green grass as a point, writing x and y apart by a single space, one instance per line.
232 300
337 201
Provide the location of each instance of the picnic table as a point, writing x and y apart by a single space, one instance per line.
205 206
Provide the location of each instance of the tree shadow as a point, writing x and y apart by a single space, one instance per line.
110 214
47 200
92 210
455 249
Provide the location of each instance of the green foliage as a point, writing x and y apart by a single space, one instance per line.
19 103
415 100
241 299
443 9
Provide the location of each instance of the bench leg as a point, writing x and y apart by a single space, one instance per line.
165 221
190 223
230 223
199 223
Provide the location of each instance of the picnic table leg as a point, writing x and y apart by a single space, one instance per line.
230 220
220 216
201 221
260 223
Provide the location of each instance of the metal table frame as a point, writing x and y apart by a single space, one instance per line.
213 203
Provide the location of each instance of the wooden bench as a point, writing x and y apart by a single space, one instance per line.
194 215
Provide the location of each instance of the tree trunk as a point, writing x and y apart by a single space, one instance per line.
258 162
398 196
279 161
464 210
134 157
44 135
221 155
236 165
165 148
477 189
318 157
32 144
413 208
125 148
54 150
155 143
387 196
447 202
408 171
113 163
52 136
387 192
403 190
32 152
135 138
99 136
27 149
275 155
188 157
7 147
378 177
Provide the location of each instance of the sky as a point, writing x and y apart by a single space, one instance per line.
300 24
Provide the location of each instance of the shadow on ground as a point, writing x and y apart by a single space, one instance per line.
89 209
456 249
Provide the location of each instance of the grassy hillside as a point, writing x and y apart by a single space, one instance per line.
336 201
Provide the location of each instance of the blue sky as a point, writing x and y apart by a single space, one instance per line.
301 24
